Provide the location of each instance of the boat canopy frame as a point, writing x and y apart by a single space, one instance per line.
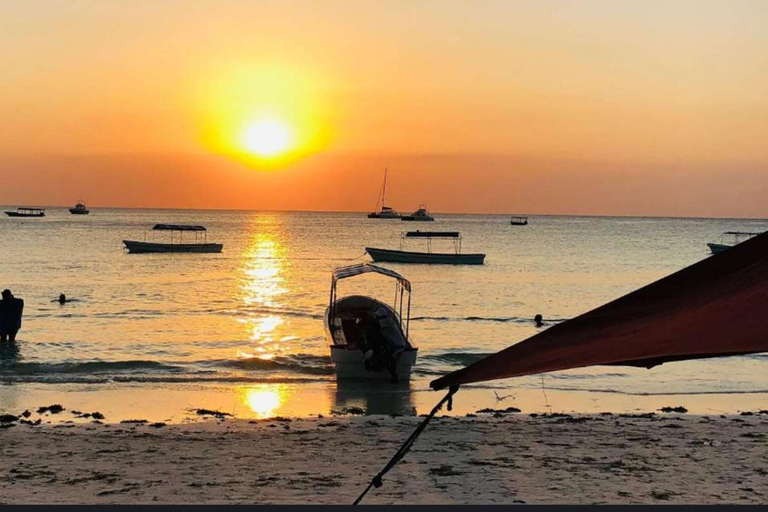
429 235
30 209
180 229
737 235
402 286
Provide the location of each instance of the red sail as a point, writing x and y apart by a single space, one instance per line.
717 307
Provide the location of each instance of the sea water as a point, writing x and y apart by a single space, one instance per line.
156 335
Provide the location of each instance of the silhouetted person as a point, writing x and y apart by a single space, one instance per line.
11 310
62 299
539 321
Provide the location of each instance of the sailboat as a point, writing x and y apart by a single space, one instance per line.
386 212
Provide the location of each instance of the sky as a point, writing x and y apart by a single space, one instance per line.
595 107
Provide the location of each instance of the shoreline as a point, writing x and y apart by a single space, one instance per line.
171 403
502 458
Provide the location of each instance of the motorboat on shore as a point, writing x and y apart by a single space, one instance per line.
175 245
420 215
25 211
368 338
79 209
519 220
451 258
730 238
386 212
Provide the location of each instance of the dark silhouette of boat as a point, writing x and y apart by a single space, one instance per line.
139 247
450 258
368 338
734 238
386 212
519 221
26 212
79 209
419 215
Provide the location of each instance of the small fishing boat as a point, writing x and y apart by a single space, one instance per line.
729 239
79 209
386 212
451 258
519 221
368 338
419 215
175 245
26 212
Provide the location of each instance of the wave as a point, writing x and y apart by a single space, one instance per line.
454 358
130 370
508 319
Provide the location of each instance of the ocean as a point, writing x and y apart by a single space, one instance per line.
156 336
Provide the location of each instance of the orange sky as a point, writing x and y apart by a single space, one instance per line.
584 107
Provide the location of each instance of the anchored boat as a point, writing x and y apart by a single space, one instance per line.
79 209
386 212
452 258
729 239
175 245
26 212
419 215
368 339
519 221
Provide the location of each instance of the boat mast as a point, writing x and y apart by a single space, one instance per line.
384 190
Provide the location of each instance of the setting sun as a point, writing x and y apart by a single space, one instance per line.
267 138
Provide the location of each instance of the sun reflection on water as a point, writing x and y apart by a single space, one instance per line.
263 285
264 400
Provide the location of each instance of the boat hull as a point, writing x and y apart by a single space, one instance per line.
411 218
348 364
718 248
17 214
390 256
136 247
75 211
524 223
383 216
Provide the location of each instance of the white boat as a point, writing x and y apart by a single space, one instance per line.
386 212
729 239
175 245
368 339
419 215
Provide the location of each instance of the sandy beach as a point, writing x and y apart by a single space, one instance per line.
510 458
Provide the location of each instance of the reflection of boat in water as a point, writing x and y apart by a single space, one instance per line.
390 399
135 246
26 212
519 221
367 337
451 258
79 209
419 215
729 239
386 212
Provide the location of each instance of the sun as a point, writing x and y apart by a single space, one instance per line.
268 138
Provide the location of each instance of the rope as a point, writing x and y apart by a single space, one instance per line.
376 481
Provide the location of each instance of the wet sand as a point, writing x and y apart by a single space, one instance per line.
579 459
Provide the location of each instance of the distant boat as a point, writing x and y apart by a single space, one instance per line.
519 221
26 212
386 212
419 215
79 209
729 239
351 322
450 258
135 246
